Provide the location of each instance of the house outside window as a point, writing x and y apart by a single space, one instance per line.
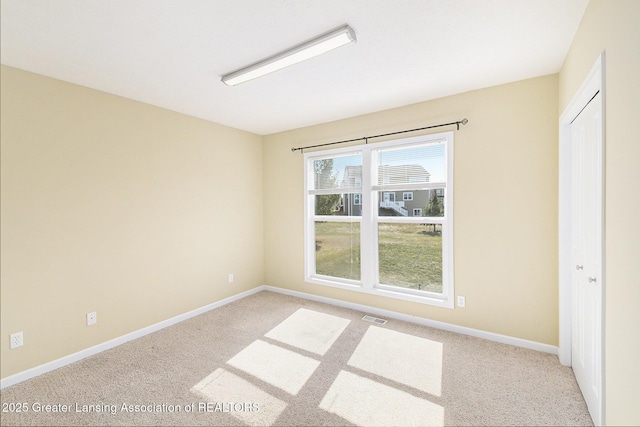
392 233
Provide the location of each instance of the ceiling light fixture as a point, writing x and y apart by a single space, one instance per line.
299 53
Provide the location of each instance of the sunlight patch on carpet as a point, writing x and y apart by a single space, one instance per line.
365 402
282 368
253 405
309 330
407 359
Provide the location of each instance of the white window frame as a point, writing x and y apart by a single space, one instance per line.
369 220
407 196
357 199
417 211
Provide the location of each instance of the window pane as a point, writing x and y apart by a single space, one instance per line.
410 256
419 203
338 172
425 163
348 204
338 249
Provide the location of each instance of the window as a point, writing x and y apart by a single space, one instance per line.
358 237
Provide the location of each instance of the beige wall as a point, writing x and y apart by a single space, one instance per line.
505 222
118 207
614 27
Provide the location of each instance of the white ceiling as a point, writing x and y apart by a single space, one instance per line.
171 53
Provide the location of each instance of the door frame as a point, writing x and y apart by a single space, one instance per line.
593 83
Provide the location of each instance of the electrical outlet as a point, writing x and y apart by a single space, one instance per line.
17 340
92 318
230 277
461 301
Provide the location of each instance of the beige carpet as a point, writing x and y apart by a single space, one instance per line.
271 359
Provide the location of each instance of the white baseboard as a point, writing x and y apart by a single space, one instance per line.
67 360
504 339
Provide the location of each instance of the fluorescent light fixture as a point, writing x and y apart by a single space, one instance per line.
299 53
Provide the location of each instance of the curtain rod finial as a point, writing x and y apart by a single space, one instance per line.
464 121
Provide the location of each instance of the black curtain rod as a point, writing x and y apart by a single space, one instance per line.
367 138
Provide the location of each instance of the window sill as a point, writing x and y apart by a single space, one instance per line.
443 302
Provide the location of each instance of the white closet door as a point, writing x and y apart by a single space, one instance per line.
586 241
